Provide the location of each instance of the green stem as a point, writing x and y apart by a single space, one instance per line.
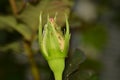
34 69
57 66
58 76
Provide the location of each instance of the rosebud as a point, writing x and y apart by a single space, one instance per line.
54 44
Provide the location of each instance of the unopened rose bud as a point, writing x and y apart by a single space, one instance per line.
54 44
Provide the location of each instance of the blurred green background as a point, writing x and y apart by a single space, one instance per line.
94 52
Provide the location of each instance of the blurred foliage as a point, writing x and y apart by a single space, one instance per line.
19 21
96 36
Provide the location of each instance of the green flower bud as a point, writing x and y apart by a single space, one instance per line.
54 44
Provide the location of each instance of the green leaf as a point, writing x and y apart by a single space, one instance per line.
15 46
31 13
73 63
95 36
81 75
94 77
10 22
